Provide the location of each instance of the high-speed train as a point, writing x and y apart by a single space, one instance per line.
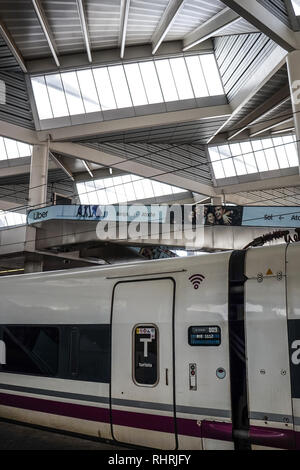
188 353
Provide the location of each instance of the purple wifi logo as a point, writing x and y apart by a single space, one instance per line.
196 280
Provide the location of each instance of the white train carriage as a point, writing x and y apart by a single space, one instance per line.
188 353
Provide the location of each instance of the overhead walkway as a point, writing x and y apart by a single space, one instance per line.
76 235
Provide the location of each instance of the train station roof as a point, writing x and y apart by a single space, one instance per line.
190 93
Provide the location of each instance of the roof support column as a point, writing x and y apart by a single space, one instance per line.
293 63
33 263
37 198
38 176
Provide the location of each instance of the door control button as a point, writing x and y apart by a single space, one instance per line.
193 376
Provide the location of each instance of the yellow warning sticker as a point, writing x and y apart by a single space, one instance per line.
269 272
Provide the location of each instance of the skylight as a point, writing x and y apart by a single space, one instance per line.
8 219
121 189
256 156
10 148
296 6
124 86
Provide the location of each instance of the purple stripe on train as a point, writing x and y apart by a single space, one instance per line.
261 436
272 437
71 410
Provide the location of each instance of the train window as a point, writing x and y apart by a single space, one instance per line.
145 355
90 356
31 350
74 351
2 352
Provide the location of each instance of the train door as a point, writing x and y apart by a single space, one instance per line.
293 286
269 387
142 395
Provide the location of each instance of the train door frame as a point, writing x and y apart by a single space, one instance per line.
268 355
127 281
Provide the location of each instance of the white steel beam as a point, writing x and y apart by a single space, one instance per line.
264 73
284 130
271 124
12 46
212 26
266 22
237 199
46 28
62 166
293 74
14 170
271 104
11 131
107 160
111 56
125 5
140 122
84 28
9 206
166 22
294 20
17 169
259 185
87 167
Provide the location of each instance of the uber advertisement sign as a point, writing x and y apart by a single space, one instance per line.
294 346
112 213
254 216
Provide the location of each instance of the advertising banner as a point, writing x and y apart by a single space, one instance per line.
254 216
117 213
245 216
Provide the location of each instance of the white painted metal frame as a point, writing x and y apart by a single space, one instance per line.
87 167
125 5
265 21
208 29
211 108
166 22
84 27
61 165
274 102
271 124
12 46
46 28
262 184
106 159
106 57
270 66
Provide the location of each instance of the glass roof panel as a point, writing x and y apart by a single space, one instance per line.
72 92
151 82
104 88
120 87
166 80
57 95
122 189
181 77
88 91
253 156
126 85
135 83
41 98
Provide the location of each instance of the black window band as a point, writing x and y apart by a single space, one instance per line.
237 351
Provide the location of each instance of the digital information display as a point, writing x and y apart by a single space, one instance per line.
204 335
